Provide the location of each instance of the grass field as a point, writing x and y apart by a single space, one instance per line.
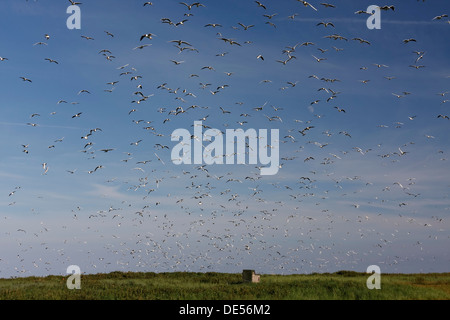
342 285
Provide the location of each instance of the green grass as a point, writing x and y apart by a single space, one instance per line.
343 285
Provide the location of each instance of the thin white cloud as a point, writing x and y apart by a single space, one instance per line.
363 21
42 125
107 192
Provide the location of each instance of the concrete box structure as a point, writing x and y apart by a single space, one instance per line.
250 276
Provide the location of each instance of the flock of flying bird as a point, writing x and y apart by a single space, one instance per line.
216 220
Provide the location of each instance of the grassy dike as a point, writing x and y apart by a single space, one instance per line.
342 285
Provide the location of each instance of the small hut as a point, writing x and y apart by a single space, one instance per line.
250 276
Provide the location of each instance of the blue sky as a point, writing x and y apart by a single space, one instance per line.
366 186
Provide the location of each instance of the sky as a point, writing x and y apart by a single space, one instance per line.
363 176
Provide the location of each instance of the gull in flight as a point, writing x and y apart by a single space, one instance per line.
361 40
189 6
147 35
386 8
246 27
260 5
142 46
45 167
327 5
325 24
25 79
409 40
306 4
135 143
440 17
319 59
51 60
